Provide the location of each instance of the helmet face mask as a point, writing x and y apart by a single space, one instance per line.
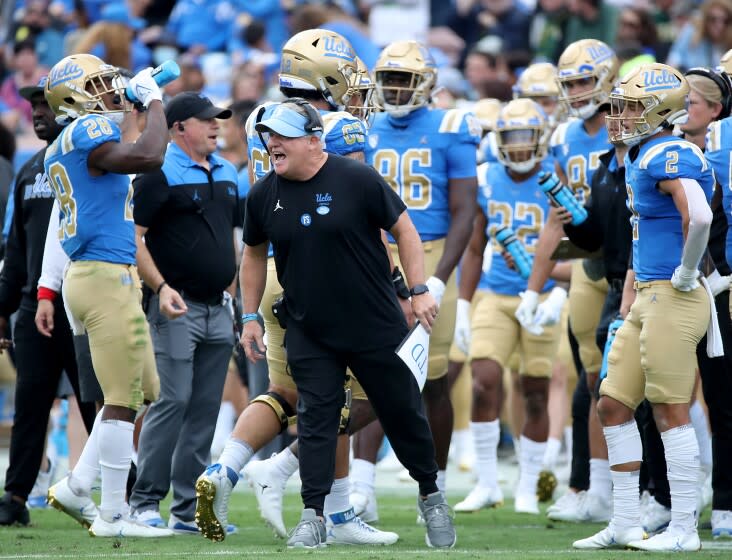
586 72
405 75
521 135
651 97
321 61
360 91
539 83
83 84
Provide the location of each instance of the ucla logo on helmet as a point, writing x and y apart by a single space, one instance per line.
69 71
656 80
600 52
337 48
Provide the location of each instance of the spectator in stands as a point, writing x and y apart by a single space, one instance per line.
547 30
508 19
486 70
200 27
636 25
232 143
273 13
26 73
191 76
703 40
47 32
248 83
591 19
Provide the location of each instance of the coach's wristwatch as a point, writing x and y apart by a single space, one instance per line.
419 289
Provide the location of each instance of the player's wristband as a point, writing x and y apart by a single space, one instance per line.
160 286
246 317
399 284
46 293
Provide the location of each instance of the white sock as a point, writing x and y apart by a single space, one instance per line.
532 454
485 439
236 454
115 455
285 463
363 475
682 467
551 454
337 501
461 440
441 478
568 442
626 504
86 471
703 437
224 424
601 483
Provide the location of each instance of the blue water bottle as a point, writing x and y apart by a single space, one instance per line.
562 195
163 75
611 332
521 258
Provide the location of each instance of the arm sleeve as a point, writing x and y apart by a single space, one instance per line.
700 219
54 258
151 192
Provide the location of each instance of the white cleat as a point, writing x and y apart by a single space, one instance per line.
669 541
609 537
126 527
213 489
269 490
588 508
526 503
480 497
721 523
347 528
81 508
655 517
364 505
567 502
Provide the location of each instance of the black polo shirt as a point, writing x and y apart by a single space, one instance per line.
326 235
190 213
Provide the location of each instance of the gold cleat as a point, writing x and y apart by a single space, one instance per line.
206 520
546 486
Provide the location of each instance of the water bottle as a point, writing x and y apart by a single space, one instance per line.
562 195
611 332
163 75
521 258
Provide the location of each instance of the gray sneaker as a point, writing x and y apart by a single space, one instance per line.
309 533
438 519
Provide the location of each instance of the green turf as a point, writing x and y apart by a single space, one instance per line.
495 533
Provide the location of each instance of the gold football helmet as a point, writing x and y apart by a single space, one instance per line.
486 113
319 60
77 84
651 97
405 74
539 82
521 135
725 63
359 93
586 62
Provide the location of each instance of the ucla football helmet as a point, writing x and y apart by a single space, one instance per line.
521 135
405 74
319 60
539 82
587 59
486 112
361 87
649 98
77 84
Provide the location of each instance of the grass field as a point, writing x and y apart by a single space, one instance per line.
498 533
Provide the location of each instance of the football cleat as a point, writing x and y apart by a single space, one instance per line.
150 517
546 485
655 517
610 537
81 508
479 498
213 490
721 523
364 505
126 527
526 503
269 489
347 528
669 541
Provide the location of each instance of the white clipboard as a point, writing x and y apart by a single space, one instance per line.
414 350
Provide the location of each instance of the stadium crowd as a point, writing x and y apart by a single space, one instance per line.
545 185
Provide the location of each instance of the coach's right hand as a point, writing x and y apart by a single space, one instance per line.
425 309
252 340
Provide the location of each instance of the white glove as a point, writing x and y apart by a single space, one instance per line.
719 283
549 311
437 288
685 279
526 310
462 325
145 88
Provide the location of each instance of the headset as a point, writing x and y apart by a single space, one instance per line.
314 123
181 127
723 83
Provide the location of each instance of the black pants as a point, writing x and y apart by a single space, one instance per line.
40 361
654 458
319 374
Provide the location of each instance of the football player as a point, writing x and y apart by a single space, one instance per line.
587 70
486 112
318 66
88 167
539 83
509 197
669 184
428 156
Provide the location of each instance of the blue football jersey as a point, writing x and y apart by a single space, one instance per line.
719 155
96 221
418 154
523 207
658 239
578 154
343 134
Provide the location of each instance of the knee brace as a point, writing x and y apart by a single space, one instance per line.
280 406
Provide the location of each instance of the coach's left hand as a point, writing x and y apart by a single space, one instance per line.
425 309
252 340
